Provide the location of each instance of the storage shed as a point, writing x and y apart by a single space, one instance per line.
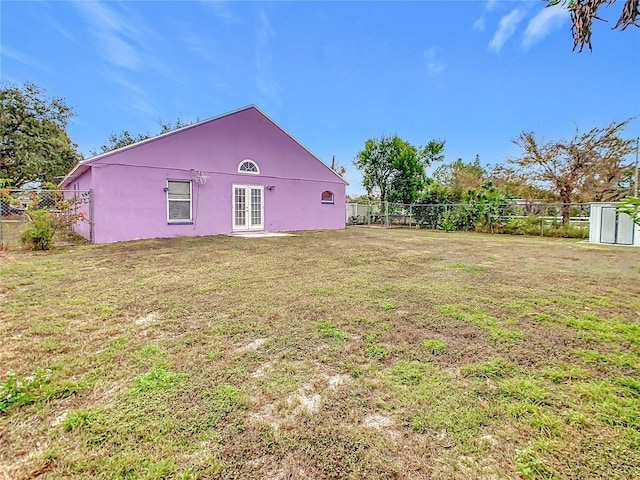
607 225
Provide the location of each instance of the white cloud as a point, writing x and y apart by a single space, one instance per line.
433 64
137 100
480 24
121 53
202 46
220 8
547 20
63 31
265 32
115 34
22 58
506 28
266 82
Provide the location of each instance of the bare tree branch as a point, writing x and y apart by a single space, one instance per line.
590 166
584 12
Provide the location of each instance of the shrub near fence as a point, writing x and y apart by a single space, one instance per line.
33 216
516 218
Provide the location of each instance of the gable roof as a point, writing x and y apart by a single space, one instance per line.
84 165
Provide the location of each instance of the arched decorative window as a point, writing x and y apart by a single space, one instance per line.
327 197
248 166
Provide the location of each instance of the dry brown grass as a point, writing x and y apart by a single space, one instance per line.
363 353
10 231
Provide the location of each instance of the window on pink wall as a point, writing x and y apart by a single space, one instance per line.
178 201
327 197
248 166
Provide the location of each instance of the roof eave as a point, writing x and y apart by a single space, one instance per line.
96 158
299 143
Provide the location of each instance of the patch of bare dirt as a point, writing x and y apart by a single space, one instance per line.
257 343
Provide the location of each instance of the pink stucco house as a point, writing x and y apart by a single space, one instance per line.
236 172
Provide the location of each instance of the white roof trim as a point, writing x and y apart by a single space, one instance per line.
87 161
305 148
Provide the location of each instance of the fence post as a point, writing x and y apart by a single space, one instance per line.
386 214
91 239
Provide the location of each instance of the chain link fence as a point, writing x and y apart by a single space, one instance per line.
68 210
519 218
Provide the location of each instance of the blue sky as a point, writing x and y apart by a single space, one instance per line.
333 74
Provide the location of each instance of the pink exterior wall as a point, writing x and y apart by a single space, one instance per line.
128 185
79 189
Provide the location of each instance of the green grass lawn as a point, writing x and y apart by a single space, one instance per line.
364 353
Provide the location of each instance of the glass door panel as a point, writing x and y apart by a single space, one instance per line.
248 207
256 207
239 207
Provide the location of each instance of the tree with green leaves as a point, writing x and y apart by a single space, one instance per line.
584 12
34 144
393 169
567 166
631 206
432 152
459 176
119 140
515 183
486 203
124 138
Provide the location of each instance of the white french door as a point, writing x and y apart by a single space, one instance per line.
248 207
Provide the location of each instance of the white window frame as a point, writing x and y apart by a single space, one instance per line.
327 201
257 172
190 200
